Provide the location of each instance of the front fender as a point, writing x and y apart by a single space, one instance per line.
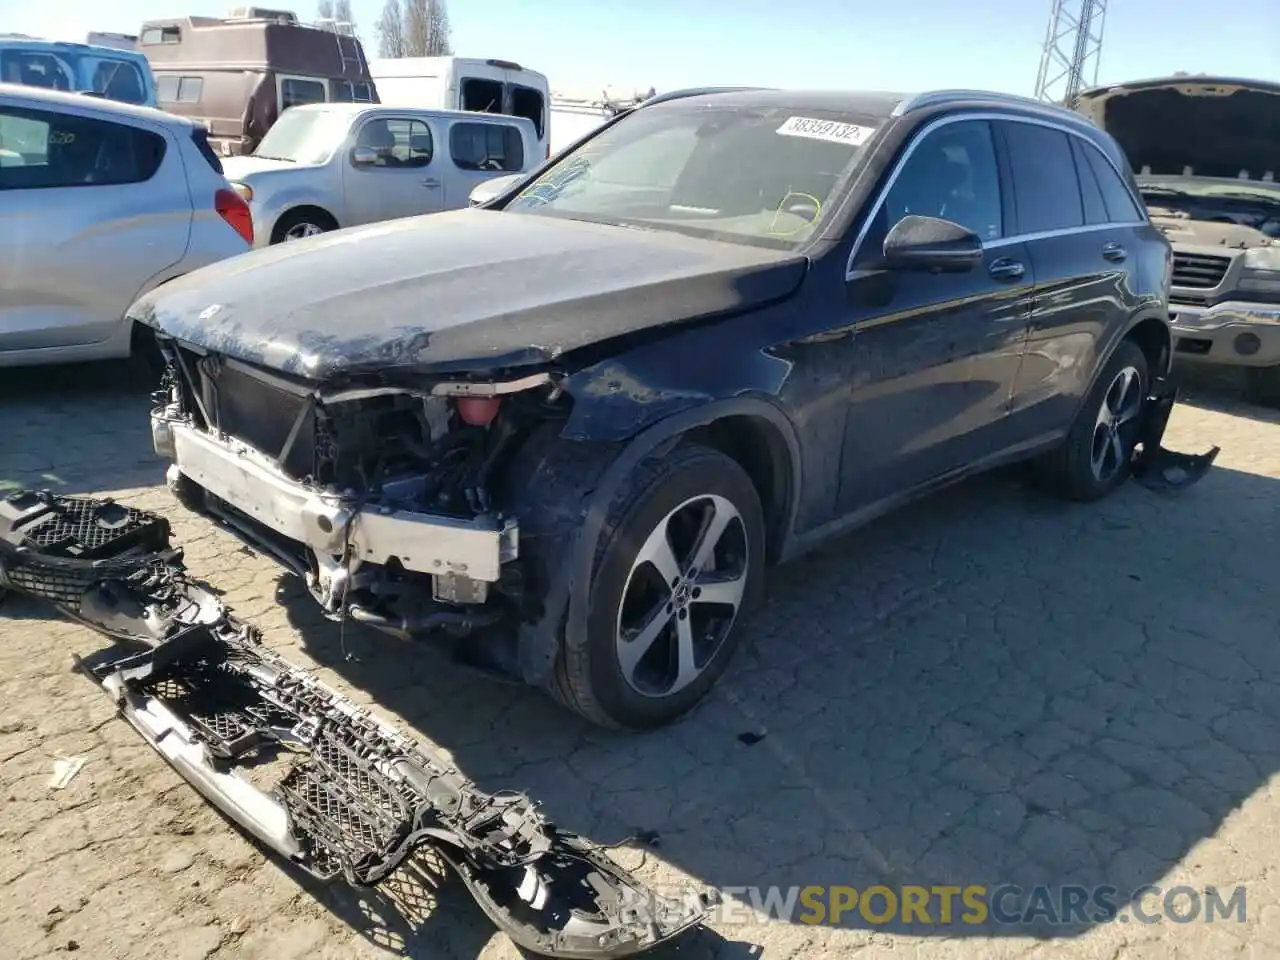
620 397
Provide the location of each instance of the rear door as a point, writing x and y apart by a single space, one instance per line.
1080 254
408 178
92 210
480 150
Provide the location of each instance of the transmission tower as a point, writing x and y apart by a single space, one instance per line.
1072 49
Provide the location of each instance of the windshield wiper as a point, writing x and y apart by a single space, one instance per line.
267 156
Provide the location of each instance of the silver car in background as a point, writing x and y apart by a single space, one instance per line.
100 203
323 166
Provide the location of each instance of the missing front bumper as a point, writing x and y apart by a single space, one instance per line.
1154 466
355 798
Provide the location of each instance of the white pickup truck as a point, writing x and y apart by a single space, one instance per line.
328 165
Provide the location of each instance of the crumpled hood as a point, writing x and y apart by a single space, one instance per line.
468 290
1206 126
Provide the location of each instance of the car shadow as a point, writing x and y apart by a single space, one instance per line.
108 404
992 688
1221 389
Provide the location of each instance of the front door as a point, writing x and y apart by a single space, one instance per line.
934 354
406 178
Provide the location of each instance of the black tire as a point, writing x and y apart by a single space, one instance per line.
303 217
589 679
1262 386
145 356
1071 468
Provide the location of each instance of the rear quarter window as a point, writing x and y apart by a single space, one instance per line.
44 150
495 147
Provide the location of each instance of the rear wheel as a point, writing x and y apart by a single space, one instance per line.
679 568
300 224
1097 454
1262 386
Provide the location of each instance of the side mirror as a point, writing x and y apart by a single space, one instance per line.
493 188
929 243
364 157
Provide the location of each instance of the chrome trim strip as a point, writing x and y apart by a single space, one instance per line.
928 128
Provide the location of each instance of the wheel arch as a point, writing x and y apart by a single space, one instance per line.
311 209
744 428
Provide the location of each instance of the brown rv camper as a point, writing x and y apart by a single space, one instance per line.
236 75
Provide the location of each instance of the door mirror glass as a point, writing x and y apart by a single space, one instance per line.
931 243
364 157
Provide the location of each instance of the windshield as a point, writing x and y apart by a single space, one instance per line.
304 136
756 175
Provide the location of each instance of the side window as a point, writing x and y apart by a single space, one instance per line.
340 91
398 143
951 174
362 92
1095 211
486 146
1121 207
481 96
171 89
1045 187
35 70
42 150
527 102
295 91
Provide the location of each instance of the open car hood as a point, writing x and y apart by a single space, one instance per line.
1192 125
471 290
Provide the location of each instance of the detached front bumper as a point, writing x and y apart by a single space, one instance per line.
1234 332
325 536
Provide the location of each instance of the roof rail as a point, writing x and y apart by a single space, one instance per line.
934 98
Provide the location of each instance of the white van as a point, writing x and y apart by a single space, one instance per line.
576 114
460 83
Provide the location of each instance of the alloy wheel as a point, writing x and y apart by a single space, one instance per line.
300 230
1115 431
682 595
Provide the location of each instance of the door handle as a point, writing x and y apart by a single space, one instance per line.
431 183
1006 269
1113 252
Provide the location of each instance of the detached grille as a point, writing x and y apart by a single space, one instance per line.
1199 271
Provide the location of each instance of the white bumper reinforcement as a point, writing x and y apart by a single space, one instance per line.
325 522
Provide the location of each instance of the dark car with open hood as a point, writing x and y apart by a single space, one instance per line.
569 429
1206 151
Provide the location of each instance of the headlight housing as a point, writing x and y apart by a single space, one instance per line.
245 191
1261 273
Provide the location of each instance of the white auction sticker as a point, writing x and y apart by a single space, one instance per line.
831 130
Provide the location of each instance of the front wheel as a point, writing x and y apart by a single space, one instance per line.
1097 454
300 224
679 567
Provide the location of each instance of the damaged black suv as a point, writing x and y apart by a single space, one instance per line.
572 427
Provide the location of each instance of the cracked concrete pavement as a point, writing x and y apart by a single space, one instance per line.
990 687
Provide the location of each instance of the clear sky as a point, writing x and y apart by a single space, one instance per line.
899 45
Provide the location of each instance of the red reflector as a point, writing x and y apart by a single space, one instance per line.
232 208
478 411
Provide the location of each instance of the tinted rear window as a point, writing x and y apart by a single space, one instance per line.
487 146
41 150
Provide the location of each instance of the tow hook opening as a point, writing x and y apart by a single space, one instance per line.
351 798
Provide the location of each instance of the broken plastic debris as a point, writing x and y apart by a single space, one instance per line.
65 770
